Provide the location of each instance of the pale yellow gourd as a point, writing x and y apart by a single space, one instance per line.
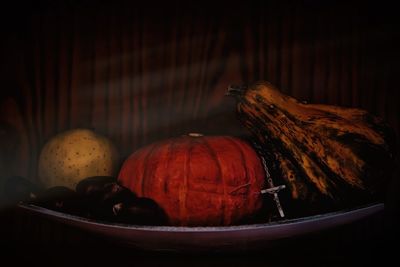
71 156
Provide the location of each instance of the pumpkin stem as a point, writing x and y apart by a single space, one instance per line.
195 134
236 90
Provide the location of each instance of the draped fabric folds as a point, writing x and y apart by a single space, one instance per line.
141 73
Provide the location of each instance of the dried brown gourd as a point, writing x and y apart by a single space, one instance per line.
329 157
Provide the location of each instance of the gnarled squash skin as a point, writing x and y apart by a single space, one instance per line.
328 156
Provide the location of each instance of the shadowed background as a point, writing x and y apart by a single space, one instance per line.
142 72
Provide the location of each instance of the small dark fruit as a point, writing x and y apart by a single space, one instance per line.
101 204
115 193
143 211
17 188
61 198
94 185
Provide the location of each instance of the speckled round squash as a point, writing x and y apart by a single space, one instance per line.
71 156
198 180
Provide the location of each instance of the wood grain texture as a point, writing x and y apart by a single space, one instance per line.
140 73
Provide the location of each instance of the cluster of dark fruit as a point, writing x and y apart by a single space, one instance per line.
98 198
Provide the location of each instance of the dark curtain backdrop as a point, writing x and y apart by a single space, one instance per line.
142 72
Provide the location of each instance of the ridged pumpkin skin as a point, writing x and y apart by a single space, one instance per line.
328 156
198 181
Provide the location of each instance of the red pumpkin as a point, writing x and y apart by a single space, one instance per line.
198 180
